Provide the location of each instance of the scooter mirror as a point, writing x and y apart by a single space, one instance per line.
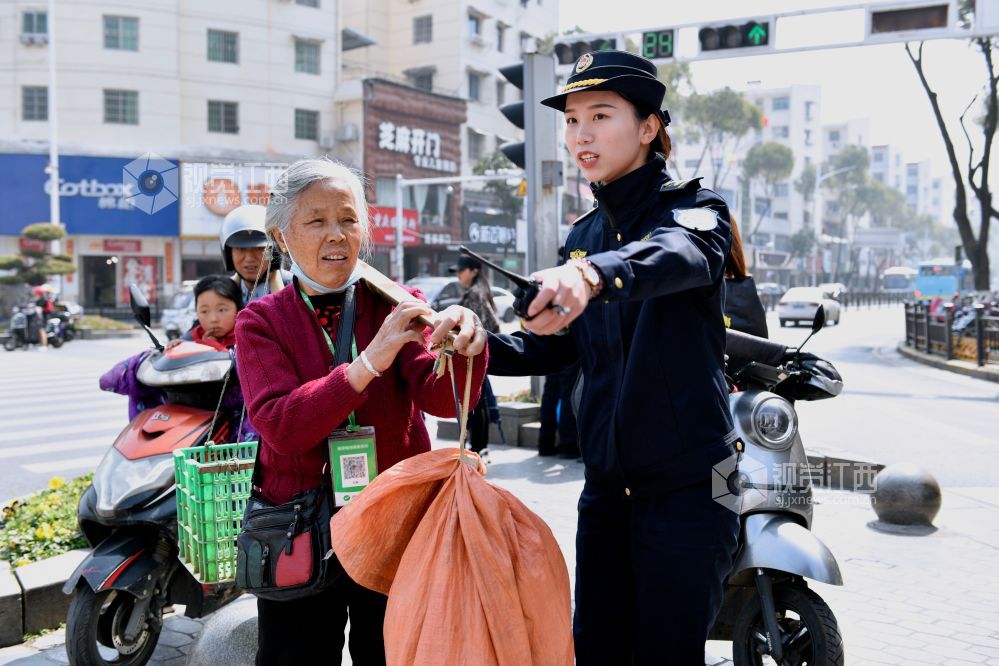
820 319
140 306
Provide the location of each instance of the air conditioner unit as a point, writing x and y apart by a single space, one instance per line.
326 141
346 132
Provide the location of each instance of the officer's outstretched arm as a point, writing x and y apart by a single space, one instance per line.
522 354
687 251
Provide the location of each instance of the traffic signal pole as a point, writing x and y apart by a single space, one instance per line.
542 168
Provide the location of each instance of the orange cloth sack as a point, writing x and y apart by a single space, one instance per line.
472 575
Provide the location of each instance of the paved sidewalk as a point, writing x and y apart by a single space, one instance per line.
907 599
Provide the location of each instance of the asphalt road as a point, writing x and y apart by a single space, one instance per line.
56 422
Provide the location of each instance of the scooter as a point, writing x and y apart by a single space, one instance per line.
54 331
23 332
769 612
129 513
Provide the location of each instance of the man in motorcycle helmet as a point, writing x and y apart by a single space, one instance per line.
248 254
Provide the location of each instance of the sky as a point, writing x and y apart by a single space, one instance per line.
877 82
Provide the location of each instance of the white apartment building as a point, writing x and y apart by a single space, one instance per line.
452 48
231 82
792 116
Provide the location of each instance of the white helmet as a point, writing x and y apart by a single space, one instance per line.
243 227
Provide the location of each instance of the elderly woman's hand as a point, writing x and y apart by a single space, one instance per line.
471 337
398 328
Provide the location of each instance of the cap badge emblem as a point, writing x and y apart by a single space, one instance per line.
584 61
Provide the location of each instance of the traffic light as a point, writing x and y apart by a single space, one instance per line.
751 34
514 112
569 52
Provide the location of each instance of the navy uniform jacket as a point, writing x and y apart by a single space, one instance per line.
654 410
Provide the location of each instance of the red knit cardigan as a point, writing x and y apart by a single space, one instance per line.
295 397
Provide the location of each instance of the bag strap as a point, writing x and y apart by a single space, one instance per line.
344 334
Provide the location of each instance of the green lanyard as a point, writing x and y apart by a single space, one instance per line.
351 419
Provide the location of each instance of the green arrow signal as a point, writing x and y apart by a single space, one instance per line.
757 34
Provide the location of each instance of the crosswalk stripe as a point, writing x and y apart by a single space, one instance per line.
43 415
48 397
61 465
99 412
37 449
71 402
45 437
73 429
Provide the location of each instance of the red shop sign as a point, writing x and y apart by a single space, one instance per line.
122 245
383 225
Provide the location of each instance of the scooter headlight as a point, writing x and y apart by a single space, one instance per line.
120 482
774 423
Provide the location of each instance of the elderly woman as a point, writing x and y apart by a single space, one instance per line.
296 396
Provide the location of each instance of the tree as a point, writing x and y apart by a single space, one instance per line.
36 264
720 119
505 195
805 186
767 164
849 186
976 173
802 242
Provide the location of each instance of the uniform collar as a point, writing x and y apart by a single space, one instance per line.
631 192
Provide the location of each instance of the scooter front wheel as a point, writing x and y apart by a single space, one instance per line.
809 631
96 625
10 344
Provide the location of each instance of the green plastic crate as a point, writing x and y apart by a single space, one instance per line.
213 485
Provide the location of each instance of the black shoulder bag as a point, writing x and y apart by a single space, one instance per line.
285 551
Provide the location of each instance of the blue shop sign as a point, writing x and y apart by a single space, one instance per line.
104 196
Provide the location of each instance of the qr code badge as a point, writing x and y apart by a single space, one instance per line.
354 470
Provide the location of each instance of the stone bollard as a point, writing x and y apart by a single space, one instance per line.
905 494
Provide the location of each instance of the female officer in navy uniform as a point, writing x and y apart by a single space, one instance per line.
640 292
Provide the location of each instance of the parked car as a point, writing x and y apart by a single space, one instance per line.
771 289
182 314
430 286
800 304
835 289
451 294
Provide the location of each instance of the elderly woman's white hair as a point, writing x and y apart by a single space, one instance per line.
298 177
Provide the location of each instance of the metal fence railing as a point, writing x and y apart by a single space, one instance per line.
852 299
970 335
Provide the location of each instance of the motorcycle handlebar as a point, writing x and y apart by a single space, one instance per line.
745 347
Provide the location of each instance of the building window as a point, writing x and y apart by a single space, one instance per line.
34 23
121 32
500 36
781 131
306 125
474 86
422 79
808 110
761 206
880 177
423 29
525 41
781 190
223 117
781 103
474 25
307 3
223 46
780 216
834 136
878 157
808 137
35 103
500 93
121 107
476 145
306 56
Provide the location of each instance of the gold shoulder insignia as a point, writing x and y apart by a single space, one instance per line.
674 185
583 216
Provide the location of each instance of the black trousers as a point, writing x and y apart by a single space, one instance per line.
649 575
557 414
311 630
478 426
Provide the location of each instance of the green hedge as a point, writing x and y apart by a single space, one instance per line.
43 525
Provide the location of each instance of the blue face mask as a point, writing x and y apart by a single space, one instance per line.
297 271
